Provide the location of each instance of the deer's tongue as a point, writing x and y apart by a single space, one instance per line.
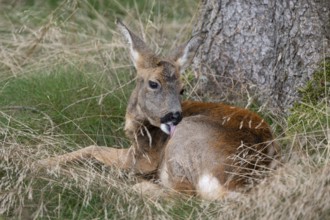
172 129
168 128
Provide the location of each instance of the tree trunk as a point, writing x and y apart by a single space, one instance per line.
267 48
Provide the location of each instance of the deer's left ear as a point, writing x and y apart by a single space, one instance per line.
141 55
184 54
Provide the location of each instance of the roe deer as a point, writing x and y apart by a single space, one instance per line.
204 149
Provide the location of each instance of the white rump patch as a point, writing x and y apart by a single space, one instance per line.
209 187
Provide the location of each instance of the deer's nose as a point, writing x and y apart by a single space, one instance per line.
174 117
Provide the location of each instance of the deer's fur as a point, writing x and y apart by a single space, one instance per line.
205 149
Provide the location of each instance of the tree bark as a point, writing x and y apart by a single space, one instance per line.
268 48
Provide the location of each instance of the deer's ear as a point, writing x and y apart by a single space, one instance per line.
186 52
141 55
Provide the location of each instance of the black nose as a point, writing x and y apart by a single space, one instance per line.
174 117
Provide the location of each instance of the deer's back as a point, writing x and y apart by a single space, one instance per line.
216 144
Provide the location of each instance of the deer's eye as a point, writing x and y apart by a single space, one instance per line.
153 84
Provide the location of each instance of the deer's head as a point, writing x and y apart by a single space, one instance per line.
156 97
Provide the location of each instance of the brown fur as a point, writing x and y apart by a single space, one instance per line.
216 147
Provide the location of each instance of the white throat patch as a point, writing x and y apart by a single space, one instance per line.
168 128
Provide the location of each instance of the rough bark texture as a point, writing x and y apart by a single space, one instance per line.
269 48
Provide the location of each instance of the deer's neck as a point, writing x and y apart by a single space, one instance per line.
142 134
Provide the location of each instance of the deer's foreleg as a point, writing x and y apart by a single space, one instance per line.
120 158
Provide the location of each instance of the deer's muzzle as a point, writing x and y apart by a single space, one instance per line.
169 122
172 117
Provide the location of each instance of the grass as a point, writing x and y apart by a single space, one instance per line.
64 83
79 105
